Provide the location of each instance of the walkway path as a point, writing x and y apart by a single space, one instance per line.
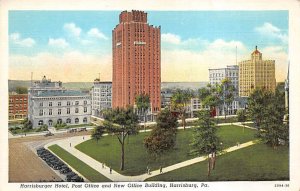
70 143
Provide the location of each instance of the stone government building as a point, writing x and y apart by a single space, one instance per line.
49 103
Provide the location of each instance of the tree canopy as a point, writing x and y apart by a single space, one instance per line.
163 137
122 122
205 139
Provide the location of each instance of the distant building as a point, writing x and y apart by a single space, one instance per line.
49 103
230 72
256 73
17 106
166 95
101 97
136 60
195 106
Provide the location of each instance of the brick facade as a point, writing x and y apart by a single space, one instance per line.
18 104
136 60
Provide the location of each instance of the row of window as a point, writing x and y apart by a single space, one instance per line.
50 104
60 121
41 112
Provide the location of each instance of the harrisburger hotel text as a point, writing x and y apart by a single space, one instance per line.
110 185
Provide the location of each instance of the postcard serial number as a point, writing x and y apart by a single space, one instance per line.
281 185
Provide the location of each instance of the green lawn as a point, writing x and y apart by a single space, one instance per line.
80 166
257 162
136 157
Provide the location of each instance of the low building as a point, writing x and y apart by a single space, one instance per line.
17 106
101 97
166 95
51 104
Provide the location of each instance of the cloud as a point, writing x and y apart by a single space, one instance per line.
59 42
25 42
94 32
271 31
72 29
193 65
279 54
70 66
170 38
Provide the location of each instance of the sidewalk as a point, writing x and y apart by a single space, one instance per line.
115 176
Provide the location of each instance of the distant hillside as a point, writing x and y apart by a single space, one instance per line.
12 84
183 85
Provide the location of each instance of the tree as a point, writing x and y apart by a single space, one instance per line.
21 90
210 96
122 122
97 133
205 139
163 136
258 101
242 117
270 110
179 103
143 104
227 92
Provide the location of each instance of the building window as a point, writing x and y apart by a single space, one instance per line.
68 110
50 111
68 103
59 104
50 104
41 104
41 122
76 102
59 112
50 122
76 110
76 120
41 112
68 120
85 120
59 121
85 102
85 109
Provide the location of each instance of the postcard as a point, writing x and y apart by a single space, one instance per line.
110 95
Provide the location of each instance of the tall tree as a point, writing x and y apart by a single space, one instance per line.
122 122
143 104
179 103
227 92
205 139
270 110
163 136
97 133
210 96
258 101
242 117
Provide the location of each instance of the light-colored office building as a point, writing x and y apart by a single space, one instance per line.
49 103
101 97
216 76
256 73
230 72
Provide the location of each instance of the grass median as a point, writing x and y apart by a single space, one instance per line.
137 158
88 172
255 163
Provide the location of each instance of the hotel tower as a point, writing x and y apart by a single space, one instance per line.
256 73
136 60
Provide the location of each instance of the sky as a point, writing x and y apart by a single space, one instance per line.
77 45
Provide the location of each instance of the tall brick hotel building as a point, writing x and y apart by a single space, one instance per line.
136 60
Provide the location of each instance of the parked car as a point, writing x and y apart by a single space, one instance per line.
48 134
